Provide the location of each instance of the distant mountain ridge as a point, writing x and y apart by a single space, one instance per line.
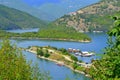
92 18
14 19
48 11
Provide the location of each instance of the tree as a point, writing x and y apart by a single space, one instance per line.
75 65
46 55
62 50
13 65
74 58
40 52
108 68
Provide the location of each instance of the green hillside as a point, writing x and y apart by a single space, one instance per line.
14 19
62 33
50 32
96 17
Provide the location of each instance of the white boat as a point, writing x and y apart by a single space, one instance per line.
77 54
87 54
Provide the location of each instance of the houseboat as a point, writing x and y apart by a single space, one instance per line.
87 54
78 52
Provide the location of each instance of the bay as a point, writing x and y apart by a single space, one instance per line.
60 73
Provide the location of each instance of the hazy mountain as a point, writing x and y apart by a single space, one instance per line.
14 19
47 9
94 17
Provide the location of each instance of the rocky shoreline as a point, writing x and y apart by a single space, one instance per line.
71 40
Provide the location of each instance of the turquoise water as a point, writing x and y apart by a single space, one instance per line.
56 72
97 45
23 31
60 73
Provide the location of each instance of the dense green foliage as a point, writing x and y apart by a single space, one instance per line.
64 51
13 65
62 32
46 55
14 19
108 68
42 52
75 65
74 58
58 33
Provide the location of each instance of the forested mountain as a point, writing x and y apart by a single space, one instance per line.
47 10
14 19
92 18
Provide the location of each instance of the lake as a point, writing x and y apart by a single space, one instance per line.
60 73
23 31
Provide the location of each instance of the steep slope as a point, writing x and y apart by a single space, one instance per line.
92 18
14 19
20 5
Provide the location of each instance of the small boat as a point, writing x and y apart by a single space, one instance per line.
77 54
87 54
60 64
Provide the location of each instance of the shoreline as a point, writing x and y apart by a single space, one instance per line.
68 66
70 40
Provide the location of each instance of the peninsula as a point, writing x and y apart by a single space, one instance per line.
61 57
55 33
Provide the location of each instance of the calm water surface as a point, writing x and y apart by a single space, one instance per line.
97 45
23 31
60 73
57 72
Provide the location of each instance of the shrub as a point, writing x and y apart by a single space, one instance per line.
46 55
40 52
75 65
74 58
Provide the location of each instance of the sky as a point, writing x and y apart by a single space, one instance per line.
37 3
40 2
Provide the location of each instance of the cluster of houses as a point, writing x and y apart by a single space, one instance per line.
78 52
